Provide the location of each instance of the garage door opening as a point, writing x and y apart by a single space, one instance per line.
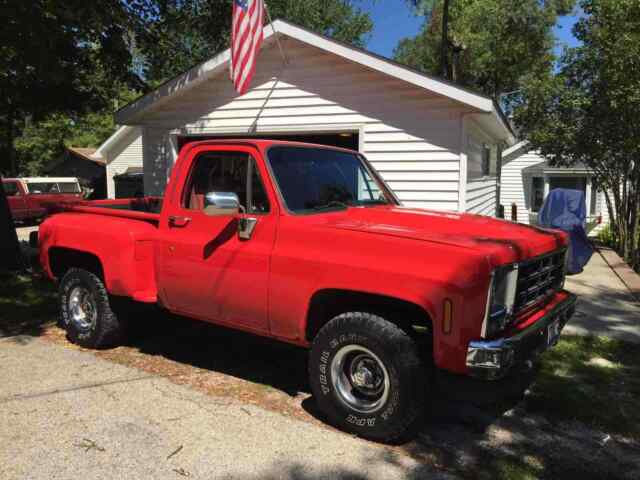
343 139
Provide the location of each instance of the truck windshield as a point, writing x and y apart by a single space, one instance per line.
317 179
53 187
69 187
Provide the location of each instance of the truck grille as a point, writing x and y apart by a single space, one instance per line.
537 278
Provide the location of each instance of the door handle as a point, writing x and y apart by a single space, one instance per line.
246 226
177 221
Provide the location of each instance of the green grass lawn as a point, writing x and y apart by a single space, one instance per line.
594 380
27 304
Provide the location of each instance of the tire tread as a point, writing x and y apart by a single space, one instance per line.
403 348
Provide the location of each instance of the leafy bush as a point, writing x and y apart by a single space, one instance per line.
607 236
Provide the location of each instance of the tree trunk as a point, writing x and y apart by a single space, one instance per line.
10 254
11 153
634 221
612 213
444 47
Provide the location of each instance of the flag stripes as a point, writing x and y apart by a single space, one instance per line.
246 38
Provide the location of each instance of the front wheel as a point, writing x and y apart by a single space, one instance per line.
85 311
367 376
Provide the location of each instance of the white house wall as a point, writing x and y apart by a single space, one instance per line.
126 153
480 191
412 138
514 187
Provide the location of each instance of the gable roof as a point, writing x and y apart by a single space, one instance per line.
111 142
209 68
544 166
86 154
515 151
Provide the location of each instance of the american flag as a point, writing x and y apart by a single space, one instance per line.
246 38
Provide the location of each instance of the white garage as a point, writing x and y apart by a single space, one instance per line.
435 143
122 154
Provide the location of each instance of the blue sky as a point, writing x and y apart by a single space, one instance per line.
393 20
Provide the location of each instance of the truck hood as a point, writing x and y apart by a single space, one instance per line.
502 241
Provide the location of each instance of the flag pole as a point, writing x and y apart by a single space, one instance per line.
284 57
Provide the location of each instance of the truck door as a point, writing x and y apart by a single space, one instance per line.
205 269
17 199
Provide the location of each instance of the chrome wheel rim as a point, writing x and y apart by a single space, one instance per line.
83 310
360 378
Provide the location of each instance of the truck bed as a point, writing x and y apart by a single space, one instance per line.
142 208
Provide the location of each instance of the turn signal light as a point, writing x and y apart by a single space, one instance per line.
447 316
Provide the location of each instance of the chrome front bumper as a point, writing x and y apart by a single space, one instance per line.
492 359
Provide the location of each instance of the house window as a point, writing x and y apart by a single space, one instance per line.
486 160
594 198
482 160
571 183
537 193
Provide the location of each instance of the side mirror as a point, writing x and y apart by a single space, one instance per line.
221 203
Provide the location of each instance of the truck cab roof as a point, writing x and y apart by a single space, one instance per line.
42 179
263 143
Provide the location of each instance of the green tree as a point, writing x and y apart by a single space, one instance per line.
588 112
437 12
49 53
44 141
492 44
182 33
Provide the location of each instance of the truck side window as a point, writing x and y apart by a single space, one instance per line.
259 199
11 189
225 172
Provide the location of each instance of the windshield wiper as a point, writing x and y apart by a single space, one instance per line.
374 202
331 204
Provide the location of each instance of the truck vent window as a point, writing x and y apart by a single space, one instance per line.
225 172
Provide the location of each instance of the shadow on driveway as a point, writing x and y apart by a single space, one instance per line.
472 429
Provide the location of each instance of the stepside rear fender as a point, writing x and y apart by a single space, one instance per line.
124 248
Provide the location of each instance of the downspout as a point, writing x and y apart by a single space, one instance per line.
499 209
462 174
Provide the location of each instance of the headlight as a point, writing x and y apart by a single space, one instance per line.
500 300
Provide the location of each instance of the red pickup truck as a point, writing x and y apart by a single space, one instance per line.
30 198
306 244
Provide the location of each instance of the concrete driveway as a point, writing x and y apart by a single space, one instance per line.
605 305
68 414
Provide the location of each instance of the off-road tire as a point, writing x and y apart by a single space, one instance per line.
408 376
107 330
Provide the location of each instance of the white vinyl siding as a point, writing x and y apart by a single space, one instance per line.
126 153
516 187
481 189
411 137
481 196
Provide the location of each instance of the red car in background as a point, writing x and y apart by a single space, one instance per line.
30 197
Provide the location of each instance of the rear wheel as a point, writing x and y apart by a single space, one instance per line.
85 311
367 376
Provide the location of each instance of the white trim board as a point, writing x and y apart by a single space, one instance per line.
480 103
111 141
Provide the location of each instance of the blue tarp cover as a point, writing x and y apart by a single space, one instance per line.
567 210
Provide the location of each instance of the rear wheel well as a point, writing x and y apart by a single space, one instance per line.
62 259
327 304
